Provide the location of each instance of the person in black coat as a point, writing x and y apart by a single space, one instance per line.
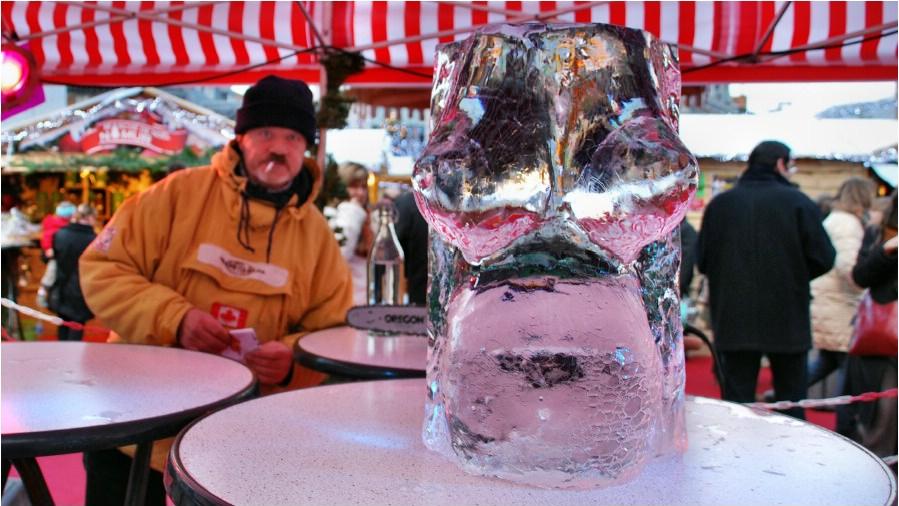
412 232
873 424
65 296
760 245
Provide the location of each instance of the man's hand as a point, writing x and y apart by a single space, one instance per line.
889 247
200 331
271 362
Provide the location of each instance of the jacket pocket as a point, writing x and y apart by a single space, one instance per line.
235 274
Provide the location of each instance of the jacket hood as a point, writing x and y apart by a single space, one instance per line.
225 163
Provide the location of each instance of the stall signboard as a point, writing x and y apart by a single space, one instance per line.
111 133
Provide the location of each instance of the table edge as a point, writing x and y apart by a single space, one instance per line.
179 485
351 369
99 437
183 489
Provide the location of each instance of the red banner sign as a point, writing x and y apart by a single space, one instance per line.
108 134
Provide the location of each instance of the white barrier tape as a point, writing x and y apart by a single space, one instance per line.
820 403
25 310
779 405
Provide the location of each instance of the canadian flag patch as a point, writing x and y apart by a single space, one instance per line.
229 316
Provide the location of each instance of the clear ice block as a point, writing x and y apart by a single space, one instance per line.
553 182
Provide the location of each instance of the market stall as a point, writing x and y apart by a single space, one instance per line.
100 151
103 150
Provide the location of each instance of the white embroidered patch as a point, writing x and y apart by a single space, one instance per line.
217 257
103 241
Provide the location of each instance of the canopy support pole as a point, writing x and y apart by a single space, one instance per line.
324 40
312 26
771 27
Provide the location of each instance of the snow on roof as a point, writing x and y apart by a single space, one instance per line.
889 172
732 136
360 145
206 124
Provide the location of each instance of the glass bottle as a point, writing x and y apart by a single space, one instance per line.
385 261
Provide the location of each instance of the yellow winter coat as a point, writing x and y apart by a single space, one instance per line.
175 247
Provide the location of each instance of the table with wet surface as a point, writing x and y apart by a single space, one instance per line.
360 443
68 397
359 354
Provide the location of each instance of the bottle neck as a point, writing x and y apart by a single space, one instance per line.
385 225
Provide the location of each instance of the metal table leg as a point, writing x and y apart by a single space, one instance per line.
6 466
34 482
139 475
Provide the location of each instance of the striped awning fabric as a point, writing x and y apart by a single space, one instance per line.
160 43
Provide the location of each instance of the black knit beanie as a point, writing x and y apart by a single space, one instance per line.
274 101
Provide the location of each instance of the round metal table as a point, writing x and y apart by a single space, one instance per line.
360 443
353 353
67 397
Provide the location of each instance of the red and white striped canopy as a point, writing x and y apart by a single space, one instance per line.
160 43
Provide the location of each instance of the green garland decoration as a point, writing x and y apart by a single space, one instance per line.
334 106
122 159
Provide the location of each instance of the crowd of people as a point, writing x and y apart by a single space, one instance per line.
783 279
241 244
66 234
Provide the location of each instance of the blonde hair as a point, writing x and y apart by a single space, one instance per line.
855 196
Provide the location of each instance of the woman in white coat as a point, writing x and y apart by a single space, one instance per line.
835 295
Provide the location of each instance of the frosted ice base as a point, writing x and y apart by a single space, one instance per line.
537 387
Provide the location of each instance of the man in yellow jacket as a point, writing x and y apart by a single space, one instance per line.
238 244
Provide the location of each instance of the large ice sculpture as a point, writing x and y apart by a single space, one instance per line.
554 182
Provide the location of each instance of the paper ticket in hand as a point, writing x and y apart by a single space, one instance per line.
243 341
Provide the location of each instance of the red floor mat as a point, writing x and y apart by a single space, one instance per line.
701 381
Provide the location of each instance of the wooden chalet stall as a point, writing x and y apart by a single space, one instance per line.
103 150
100 151
827 151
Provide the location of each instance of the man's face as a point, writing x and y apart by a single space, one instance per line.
272 155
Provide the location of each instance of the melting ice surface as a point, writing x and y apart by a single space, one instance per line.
554 182
539 385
